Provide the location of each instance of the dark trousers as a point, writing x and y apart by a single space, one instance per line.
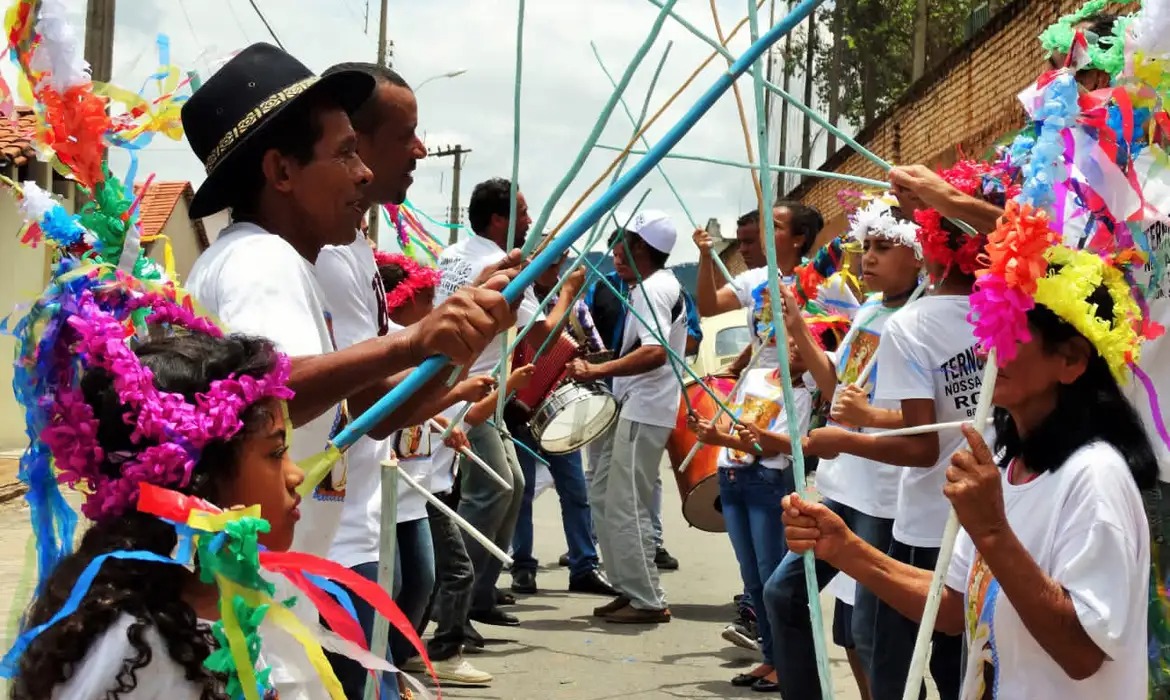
454 577
896 634
786 600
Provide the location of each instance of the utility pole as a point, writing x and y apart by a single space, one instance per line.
376 211
99 38
457 153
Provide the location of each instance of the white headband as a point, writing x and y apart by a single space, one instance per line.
877 219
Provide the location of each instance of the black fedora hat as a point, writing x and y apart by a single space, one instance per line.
226 117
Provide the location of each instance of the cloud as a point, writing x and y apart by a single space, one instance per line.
563 89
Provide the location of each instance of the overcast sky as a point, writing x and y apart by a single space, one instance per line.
563 88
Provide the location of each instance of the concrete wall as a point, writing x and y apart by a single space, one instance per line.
962 107
185 244
23 274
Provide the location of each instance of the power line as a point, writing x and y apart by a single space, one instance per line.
266 24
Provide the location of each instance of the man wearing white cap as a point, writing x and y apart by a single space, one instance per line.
622 491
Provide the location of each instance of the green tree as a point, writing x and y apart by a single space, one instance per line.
864 55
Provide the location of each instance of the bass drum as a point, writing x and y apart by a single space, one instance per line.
698 486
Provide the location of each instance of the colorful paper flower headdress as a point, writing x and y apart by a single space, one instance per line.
169 431
1086 50
989 181
415 278
875 217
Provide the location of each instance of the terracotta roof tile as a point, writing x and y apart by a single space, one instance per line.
158 204
16 145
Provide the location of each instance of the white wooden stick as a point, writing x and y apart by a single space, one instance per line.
918 429
946 551
434 425
387 553
463 524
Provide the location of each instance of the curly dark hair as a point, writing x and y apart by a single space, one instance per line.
151 593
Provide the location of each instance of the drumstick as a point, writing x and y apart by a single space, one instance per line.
463 524
434 425
918 429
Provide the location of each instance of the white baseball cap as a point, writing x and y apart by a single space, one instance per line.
656 229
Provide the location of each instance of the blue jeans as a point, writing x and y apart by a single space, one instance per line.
414 577
569 480
786 600
891 661
751 508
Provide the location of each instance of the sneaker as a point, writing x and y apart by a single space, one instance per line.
630 615
741 637
664 561
457 671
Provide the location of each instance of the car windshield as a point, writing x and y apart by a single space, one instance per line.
730 341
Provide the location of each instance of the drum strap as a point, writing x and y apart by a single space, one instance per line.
679 308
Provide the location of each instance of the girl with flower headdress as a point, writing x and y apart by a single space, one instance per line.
863 492
195 413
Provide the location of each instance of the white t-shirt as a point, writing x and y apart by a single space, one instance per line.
460 265
759 401
928 351
256 283
354 293
1085 527
442 464
751 288
161 679
863 484
652 397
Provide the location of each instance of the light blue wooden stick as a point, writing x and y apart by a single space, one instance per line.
714 44
802 107
516 124
780 331
599 125
514 185
637 124
753 166
577 228
642 137
617 172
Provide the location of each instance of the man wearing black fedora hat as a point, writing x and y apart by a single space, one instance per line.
281 154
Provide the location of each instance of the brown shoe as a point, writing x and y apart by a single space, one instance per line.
630 615
612 606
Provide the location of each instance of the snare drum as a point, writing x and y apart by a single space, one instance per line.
698 486
563 415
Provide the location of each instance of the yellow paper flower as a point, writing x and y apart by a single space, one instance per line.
1066 292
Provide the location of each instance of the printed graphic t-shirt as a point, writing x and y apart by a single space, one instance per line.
460 265
864 484
928 352
354 292
1085 527
759 401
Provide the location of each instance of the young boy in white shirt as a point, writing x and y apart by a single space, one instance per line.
622 490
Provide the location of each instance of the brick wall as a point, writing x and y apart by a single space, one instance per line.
963 105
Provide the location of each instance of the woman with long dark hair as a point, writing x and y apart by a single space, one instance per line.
1051 572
